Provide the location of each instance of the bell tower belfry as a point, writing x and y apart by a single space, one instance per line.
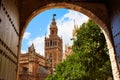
53 45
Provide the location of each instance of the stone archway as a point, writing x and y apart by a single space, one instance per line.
85 10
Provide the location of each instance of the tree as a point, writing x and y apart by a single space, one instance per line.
90 58
91 45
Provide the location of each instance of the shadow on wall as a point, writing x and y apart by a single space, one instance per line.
0 7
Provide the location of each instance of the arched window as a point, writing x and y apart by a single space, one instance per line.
46 44
52 32
55 43
50 42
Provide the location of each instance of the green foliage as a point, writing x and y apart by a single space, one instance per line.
90 59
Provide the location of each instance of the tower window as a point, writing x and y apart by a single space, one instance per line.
55 43
46 43
50 42
52 32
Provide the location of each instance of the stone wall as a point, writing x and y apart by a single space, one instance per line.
9 35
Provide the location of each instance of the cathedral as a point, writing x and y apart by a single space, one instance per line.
32 66
36 67
53 46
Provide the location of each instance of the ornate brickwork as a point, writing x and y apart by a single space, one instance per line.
53 45
32 66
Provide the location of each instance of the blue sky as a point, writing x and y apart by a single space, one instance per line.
39 26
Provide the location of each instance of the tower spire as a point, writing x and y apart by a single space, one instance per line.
31 48
53 24
74 22
75 26
74 33
53 27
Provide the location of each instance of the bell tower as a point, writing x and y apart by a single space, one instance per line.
53 45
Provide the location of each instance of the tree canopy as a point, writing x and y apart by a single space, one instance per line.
90 58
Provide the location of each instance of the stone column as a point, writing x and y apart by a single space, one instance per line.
114 63
112 55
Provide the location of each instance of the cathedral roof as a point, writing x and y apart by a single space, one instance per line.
42 70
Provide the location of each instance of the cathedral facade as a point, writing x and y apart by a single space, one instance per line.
53 46
32 66
36 67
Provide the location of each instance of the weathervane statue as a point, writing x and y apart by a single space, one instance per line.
54 16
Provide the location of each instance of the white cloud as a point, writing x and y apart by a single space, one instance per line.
38 44
26 35
65 26
23 51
